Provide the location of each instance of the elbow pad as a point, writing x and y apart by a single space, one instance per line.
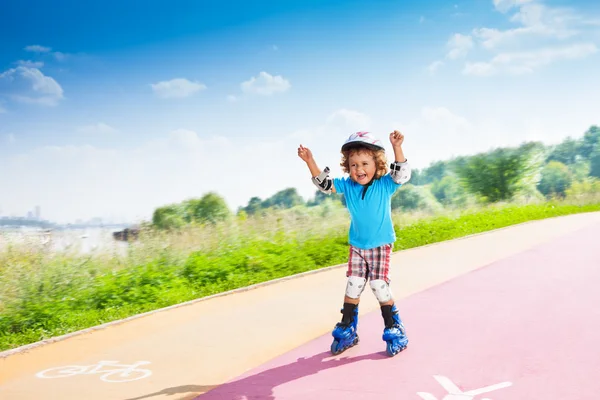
323 182
400 172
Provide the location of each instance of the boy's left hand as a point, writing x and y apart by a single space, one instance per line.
396 138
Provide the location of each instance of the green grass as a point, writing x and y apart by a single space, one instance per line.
44 294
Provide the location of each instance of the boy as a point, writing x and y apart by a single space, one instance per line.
368 191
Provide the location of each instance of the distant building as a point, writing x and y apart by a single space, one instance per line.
38 213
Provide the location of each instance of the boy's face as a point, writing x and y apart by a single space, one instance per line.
362 167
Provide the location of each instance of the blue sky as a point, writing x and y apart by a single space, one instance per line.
113 109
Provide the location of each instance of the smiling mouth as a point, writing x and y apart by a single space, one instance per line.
361 176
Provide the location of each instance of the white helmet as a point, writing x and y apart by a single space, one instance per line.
362 139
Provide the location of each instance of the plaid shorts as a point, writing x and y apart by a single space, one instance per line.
370 264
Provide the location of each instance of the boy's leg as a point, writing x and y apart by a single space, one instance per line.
394 333
344 333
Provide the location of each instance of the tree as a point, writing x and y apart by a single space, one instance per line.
449 191
580 170
321 197
168 217
410 197
566 152
417 177
210 208
595 162
556 179
254 205
591 138
436 171
495 175
286 198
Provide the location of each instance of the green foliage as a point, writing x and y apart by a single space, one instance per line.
580 170
254 205
209 208
449 191
566 152
436 171
321 198
595 162
585 188
410 197
497 175
417 177
286 198
556 179
441 228
168 217
591 140
283 199
43 297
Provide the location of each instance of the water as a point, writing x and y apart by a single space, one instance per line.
83 241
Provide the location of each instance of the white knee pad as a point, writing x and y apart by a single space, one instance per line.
355 286
382 290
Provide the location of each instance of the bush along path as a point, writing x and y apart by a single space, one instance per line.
64 299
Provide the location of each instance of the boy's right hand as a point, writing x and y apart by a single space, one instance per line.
304 153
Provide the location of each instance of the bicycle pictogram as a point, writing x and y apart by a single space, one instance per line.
111 371
454 393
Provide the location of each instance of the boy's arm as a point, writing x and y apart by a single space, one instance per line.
320 181
312 166
399 154
400 169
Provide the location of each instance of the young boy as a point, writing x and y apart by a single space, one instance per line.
368 191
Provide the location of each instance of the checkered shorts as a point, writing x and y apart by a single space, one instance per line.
370 264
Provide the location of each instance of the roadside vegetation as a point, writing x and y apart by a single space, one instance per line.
199 247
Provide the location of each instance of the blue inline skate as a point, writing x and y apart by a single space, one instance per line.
394 333
344 334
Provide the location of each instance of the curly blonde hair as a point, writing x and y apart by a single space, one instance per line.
378 155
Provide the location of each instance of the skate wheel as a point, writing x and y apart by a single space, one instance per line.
392 350
334 347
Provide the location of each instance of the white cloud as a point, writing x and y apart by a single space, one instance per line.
11 138
506 5
180 164
543 35
30 64
177 88
97 129
459 46
491 38
30 85
434 66
538 22
36 48
60 56
437 133
350 119
265 84
527 62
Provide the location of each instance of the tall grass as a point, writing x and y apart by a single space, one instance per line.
44 293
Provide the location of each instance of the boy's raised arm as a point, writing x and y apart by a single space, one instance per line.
326 185
306 155
397 138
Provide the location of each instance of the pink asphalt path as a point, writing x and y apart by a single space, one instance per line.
528 325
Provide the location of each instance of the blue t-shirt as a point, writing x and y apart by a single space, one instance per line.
370 218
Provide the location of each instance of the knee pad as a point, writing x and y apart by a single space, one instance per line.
355 286
382 290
